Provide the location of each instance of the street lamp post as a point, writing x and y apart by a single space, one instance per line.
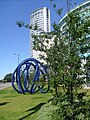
18 56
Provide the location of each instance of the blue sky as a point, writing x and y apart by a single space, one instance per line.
17 40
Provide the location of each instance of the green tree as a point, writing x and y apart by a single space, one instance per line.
87 68
64 60
63 53
8 77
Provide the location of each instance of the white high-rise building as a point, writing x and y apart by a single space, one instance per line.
41 19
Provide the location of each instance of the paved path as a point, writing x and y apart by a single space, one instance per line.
4 85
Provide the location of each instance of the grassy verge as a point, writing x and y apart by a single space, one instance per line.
14 106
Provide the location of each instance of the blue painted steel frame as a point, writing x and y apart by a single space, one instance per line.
19 74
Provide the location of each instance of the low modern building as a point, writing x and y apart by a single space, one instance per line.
84 8
81 8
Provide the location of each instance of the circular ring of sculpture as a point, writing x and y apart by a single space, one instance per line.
30 76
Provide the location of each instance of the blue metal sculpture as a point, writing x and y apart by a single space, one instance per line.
30 76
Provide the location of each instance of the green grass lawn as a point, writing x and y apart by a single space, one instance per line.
14 106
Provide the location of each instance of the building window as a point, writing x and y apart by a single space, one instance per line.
47 13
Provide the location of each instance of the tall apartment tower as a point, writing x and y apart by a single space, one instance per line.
41 19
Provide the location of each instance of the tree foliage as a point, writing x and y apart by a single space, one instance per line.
8 77
63 51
